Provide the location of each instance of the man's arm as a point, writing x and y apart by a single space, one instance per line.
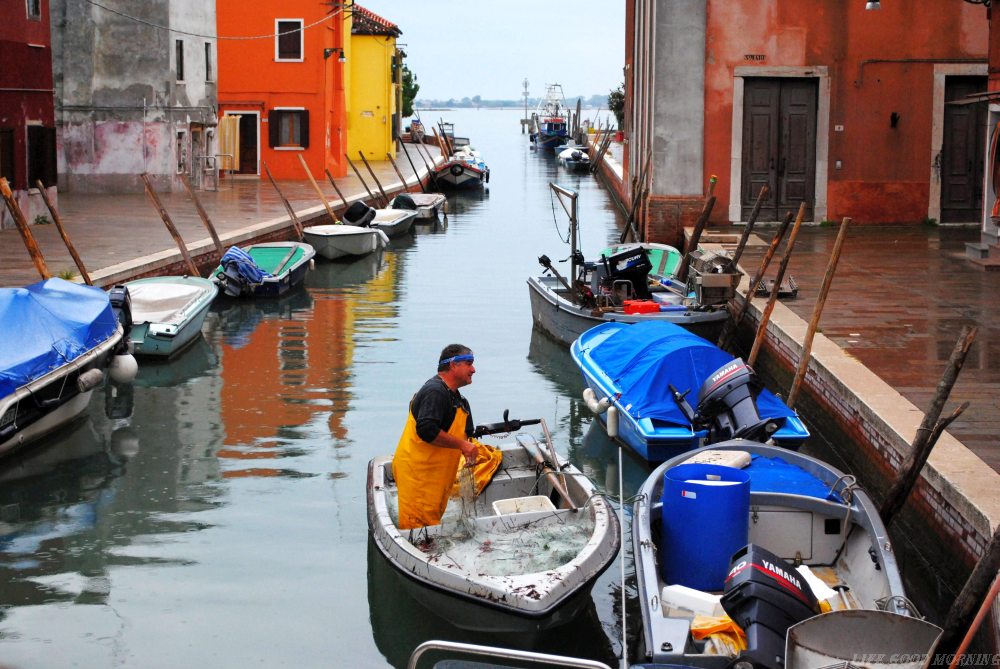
469 450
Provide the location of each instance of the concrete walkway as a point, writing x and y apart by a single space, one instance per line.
119 237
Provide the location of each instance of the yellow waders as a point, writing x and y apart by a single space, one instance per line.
425 473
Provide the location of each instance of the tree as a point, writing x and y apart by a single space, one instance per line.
410 88
616 103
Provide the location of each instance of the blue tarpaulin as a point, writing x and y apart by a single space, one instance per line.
642 359
47 324
245 265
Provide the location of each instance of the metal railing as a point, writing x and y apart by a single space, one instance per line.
503 654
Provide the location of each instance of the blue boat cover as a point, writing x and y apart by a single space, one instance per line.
642 359
48 324
777 475
245 265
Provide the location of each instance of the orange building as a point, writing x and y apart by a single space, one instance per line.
281 86
823 101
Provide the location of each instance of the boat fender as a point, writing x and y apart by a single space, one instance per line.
123 368
456 170
89 380
383 238
312 263
612 422
595 405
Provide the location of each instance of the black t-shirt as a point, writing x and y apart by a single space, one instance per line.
434 407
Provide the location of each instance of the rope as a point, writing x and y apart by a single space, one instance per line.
552 202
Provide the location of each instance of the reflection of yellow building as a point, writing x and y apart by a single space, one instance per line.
373 85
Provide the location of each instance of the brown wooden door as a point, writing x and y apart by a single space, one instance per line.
779 145
963 151
248 144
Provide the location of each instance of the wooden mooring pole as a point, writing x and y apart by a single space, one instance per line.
745 237
288 207
957 620
824 290
420 181
319 191
402 179
385 198
337 190
699 227
171 228
62 232
361 179
206 221
765 317
22 227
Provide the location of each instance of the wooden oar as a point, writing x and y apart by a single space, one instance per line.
548 472
22 227
552 451
170 224
62 232
288 256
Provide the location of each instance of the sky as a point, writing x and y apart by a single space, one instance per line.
464 48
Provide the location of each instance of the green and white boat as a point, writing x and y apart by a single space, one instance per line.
167 313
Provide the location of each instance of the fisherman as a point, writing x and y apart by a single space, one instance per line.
437 443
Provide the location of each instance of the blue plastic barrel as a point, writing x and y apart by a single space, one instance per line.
705 519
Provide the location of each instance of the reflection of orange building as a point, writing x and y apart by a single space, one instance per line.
287 89
296 367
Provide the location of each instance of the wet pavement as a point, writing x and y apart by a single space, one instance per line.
899 300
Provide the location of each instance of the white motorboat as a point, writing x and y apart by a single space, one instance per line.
339 240
427 205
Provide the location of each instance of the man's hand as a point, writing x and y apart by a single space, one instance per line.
470 451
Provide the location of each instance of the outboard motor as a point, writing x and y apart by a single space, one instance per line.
631 265
404 201
359 214
727 405
765 596
121 306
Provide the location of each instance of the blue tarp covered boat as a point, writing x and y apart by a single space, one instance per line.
57 336
635 365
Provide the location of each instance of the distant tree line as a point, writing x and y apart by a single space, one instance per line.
594 101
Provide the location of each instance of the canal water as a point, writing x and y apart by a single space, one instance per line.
213 514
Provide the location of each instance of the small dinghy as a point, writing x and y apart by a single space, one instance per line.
392 222
168 312
521 556
574 158
647 372
338 241
263 270
427 205
738 542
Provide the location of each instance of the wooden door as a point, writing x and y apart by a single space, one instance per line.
963 151
779 145
248 144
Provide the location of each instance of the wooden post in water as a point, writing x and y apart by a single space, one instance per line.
151 192
385 199
62 232
766 315
22 227
361 179
984 573
337 190
824 290
738 253
731 325
203 215
699 227
638 191
291 212
929 431
319 191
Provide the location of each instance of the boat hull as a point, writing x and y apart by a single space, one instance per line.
428 205
290 274
394 222
511 601
458 175
337 241
565 322
167 313
859 557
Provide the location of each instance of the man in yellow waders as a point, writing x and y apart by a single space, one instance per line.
437 441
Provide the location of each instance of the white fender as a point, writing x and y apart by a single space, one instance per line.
123 368
598 407
612 422
383 238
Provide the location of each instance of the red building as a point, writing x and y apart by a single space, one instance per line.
27 119
823 101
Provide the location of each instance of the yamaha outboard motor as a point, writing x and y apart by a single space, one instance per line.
727 405
359 214
765 596
404 201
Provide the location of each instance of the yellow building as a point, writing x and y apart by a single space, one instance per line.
374 85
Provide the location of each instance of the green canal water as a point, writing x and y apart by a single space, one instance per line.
217 518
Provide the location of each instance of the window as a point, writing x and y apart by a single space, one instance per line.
41 155
208 61
35 9
288 39
288 128
182 152
179 52
7 154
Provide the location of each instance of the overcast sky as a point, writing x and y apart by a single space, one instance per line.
464 48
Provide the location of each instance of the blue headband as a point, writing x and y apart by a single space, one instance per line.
457 358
